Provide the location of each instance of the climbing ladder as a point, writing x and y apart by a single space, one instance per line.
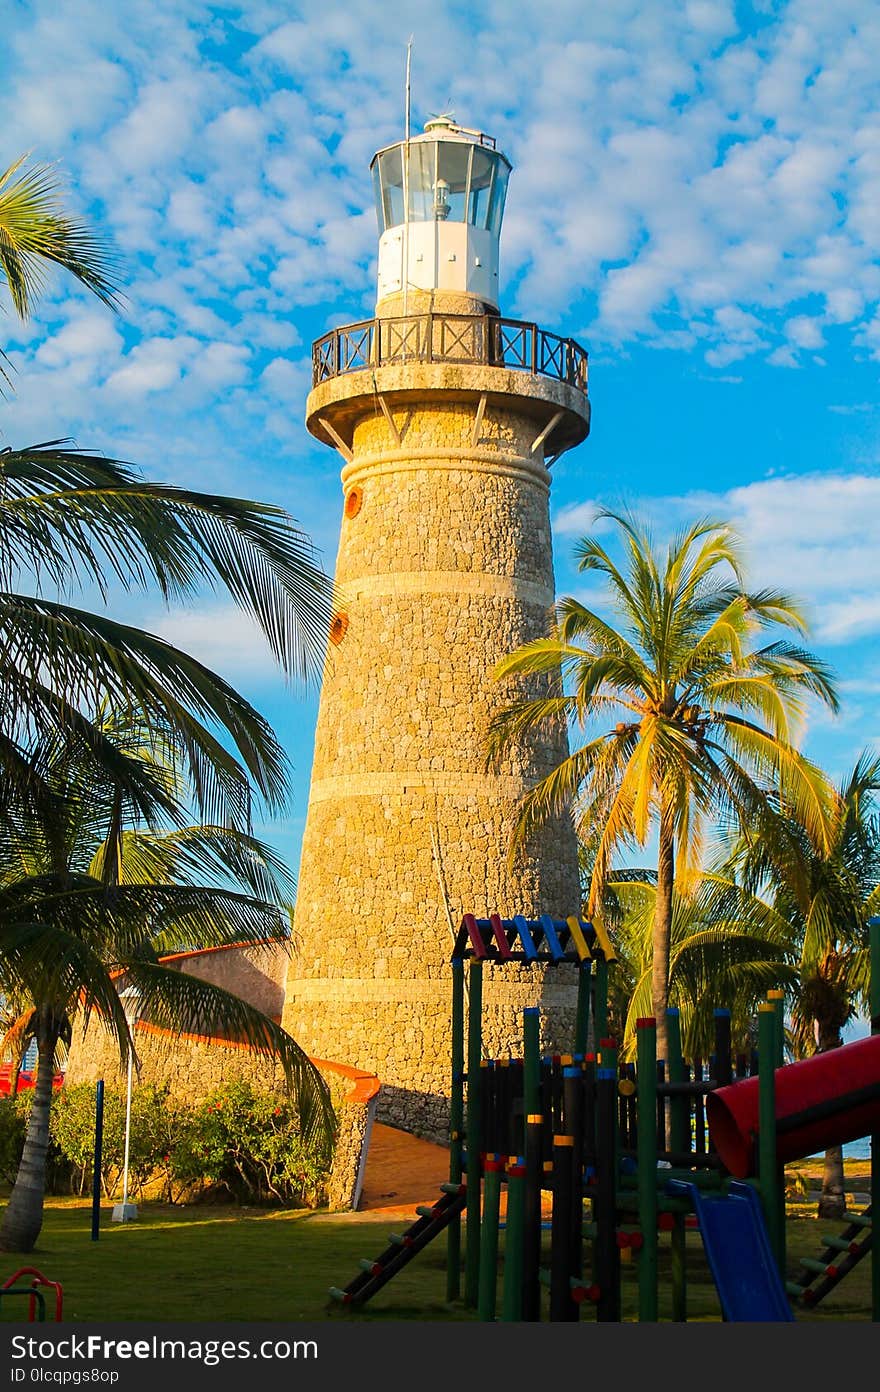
431 1221
818 1276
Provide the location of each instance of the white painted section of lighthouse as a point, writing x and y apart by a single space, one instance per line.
440 200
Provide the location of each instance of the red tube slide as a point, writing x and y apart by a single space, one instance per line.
822 1101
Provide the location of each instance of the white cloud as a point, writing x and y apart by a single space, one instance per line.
805 331
221 636
221 365
783 357
154 365
806 535
86 336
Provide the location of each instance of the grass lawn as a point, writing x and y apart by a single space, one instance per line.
223 1263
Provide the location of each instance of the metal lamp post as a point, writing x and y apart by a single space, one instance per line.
126 1212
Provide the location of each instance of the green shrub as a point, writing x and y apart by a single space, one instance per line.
14 1113
72 1128
238 1143
248 1145
12 1127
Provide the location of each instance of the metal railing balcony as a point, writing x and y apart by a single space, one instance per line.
449 338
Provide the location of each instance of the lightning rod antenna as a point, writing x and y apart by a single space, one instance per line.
406 176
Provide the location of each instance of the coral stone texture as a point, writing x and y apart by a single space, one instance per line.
444 566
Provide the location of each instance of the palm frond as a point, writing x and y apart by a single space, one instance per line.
51 647
182 1004
35 229
66 512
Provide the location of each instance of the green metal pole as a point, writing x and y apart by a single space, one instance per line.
531 1064
600 1005
530 1302
456 1125
582 1018
680 1140
778 999
874 1001
96 1160
512 1296
488 1276
679 1130
768 1169
474 1134
646 1061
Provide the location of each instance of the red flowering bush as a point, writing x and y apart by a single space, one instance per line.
247 1147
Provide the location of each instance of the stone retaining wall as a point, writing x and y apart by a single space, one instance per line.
193 1065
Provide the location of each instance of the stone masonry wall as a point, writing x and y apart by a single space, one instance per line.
256 972
444 567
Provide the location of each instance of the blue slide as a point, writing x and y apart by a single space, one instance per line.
738 1252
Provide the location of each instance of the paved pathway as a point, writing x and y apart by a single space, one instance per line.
402 1171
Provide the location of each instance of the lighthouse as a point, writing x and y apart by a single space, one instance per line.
446 417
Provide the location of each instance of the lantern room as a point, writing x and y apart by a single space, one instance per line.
439 201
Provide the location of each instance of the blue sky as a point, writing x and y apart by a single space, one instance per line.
695 197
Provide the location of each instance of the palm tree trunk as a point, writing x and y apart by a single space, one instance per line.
23 1218
832 1200
662 932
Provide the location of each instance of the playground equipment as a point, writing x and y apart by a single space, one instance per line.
630 1152
33 1293
738 1252
840 1255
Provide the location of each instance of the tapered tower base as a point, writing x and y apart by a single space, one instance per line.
444 567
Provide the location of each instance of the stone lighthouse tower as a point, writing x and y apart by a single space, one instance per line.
446 416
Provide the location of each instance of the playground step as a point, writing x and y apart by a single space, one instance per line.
858 1220
402 1247
839 1244
854 1244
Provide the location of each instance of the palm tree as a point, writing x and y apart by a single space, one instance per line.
714 962
822 898
67 517
70 517
36 230
84 915
695 722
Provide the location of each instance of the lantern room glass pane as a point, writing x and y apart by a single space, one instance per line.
422 161
389 198
482 167
453 164
377 194
499 193
450 181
